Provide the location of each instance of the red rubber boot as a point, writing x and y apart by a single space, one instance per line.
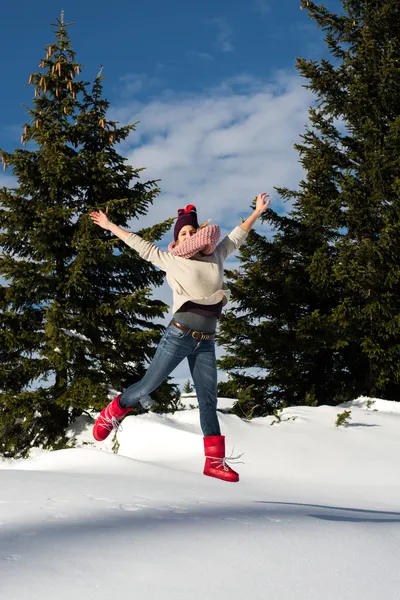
216 464
109 419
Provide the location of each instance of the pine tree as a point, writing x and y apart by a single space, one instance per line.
75 315
333 324
36 220
187 388
278 343
112 283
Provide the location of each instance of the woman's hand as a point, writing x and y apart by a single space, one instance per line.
100 219
262 202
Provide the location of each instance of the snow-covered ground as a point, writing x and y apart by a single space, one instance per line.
316 515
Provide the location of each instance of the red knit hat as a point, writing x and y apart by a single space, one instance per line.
186 216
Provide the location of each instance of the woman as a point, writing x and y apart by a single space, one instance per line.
194 270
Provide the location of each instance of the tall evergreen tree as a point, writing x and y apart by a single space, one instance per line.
271 357
112 284
76 314
330 278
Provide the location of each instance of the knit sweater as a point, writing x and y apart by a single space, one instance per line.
198 279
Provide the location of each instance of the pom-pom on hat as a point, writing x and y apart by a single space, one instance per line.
186 216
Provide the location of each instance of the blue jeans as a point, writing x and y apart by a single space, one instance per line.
174 346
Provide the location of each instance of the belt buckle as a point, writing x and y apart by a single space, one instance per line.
203 336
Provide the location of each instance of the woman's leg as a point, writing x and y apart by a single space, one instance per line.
203 368
174 346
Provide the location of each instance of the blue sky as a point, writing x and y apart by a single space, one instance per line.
175 45
213 84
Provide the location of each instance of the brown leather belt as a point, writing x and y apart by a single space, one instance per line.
195 334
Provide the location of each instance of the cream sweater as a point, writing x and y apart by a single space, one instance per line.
198 279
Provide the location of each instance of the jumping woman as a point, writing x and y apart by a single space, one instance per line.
194 267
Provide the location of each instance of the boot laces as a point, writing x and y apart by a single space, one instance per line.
110 424
223 462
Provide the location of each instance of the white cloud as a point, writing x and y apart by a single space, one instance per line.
218 149
202 55
224 34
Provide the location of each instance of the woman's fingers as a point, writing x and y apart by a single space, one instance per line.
97 217
263 201
267 201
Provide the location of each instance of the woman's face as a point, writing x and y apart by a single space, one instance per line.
186 232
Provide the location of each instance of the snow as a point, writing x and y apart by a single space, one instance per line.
316 515
75 334
190 400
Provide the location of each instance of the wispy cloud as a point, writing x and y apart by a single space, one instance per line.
202 55
133 83
262 7
224 33
218 149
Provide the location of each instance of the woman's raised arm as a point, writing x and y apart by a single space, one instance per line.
235 238
262 203
146 250
103 221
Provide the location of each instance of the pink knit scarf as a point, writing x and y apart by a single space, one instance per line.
205 240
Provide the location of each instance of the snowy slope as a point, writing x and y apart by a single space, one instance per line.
316 514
